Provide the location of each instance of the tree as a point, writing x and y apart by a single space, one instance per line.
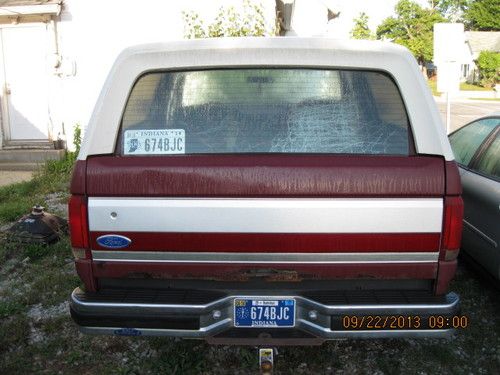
452 10
489 68
412 27
483 15
229 22
361 29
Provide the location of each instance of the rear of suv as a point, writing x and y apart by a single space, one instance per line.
265 191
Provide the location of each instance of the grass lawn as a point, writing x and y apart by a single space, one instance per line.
464 86
433 86
490 99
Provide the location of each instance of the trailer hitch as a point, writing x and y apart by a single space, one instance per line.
266 360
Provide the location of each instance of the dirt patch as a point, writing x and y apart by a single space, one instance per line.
12 177
38 313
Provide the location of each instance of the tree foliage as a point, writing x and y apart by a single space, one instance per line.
483 15
411 27
489 68
229 22
361 29
452 10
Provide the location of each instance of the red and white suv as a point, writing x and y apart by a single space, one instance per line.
265 191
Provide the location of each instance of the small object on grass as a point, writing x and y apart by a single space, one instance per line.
38 227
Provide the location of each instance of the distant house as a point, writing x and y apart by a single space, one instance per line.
475 42
305 17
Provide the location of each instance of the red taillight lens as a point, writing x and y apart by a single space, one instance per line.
453 216
78 223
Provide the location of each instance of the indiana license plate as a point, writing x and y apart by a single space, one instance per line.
264 313
154 142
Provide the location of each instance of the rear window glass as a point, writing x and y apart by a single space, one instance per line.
265 111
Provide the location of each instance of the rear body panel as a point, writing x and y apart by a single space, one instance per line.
226 176
313 216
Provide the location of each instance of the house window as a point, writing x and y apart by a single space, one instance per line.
465 70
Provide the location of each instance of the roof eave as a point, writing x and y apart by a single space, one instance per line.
31 10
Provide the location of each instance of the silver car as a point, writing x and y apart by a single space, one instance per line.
477 151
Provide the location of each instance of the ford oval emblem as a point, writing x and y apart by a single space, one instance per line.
127 332
113 241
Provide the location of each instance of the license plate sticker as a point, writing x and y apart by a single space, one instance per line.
264 313
154 142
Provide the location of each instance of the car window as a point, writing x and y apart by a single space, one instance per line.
467 140
265 111
489 163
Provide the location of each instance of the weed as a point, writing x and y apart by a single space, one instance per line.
14 209
8 248
50 287
180 357
8 308
54 325
440 352
14 331
36 251
77 139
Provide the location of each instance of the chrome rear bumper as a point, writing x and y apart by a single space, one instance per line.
315 321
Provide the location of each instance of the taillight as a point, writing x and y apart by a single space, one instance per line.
78 225
452 226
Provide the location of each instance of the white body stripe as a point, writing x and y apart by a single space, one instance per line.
351 215
271 258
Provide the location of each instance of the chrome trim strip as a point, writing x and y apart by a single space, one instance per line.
325 334
452 301
481 234
281 258
266 215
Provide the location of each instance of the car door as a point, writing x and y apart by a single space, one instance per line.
477 149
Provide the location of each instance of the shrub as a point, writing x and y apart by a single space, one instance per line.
489 68
229 23
65 165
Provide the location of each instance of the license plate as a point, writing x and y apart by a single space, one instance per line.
264 313
154 142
